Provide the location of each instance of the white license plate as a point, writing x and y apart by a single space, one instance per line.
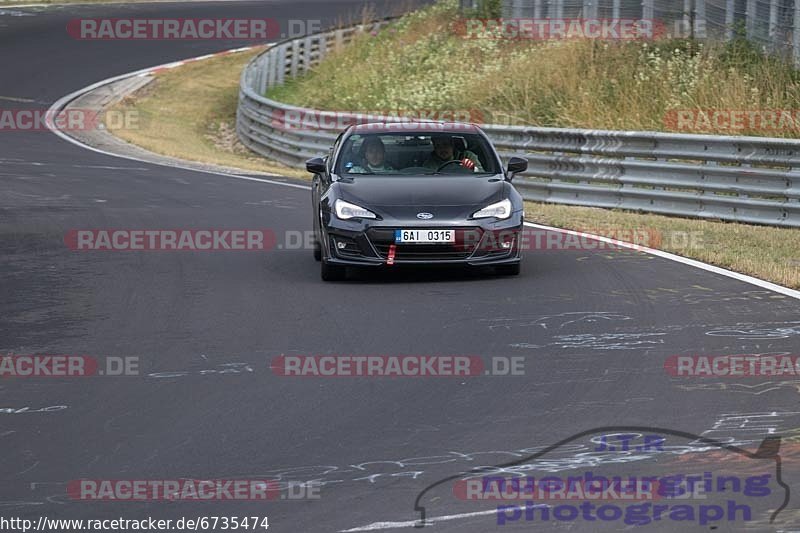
424 236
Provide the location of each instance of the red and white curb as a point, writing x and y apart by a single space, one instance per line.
168 66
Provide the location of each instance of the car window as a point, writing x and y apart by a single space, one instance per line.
426 153
333 151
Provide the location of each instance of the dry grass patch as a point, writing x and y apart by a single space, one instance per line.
189 112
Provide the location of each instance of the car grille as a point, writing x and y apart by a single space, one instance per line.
383 238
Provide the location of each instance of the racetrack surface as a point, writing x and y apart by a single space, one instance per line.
594 328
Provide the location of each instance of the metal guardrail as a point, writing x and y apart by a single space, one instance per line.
745 179
774 25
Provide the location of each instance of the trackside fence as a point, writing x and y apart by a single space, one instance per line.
745 179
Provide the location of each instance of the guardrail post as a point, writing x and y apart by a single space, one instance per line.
556 9
307 57
750 19
796 33
730 12
686 19
537 9
647 10
322 47
773 24
280 73
590 9
263 68
271 77
700 19
295 57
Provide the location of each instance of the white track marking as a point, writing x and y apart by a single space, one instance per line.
679 259
52 112
375 526
17 99
143 72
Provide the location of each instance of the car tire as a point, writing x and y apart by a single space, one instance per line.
332 272
509 270
317 250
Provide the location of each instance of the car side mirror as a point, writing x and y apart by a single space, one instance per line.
316 165
515 166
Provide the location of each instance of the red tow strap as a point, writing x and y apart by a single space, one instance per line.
390 257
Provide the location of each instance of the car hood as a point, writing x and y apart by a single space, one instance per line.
421 191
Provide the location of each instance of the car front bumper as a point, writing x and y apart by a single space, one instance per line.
369 243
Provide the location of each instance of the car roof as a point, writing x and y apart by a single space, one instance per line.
414 127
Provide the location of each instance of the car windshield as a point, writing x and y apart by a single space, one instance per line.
426 154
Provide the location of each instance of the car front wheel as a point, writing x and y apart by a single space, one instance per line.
317 250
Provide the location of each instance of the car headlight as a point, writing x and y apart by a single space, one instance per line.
346 211
501 210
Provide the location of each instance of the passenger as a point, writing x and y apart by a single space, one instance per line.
373 157
444 151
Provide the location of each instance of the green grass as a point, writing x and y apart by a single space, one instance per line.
422 62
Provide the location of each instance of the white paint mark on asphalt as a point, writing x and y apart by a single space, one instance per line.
375 526
603 341
758 333
24 410
17 99
608 341
755 390
559 320
19 504
760 423
15 13
101 167
224 369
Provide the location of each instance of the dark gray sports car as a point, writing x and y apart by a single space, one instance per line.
415 194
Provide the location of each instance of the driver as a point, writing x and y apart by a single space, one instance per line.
444 151
373 157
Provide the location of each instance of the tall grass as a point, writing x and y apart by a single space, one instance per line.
422 62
